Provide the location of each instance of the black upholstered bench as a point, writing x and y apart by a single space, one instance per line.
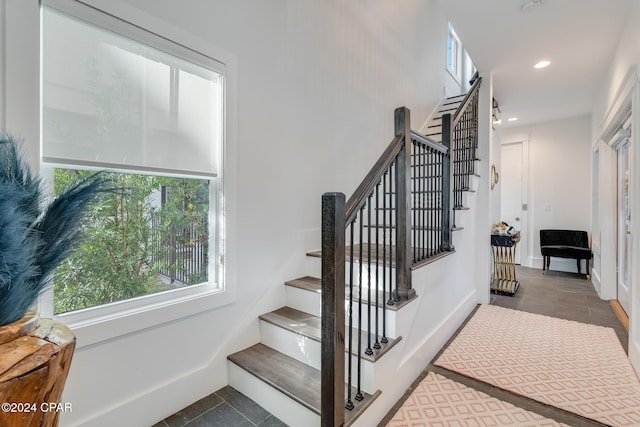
565 244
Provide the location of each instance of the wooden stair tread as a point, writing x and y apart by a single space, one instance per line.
415 208
294 379
297 321
309 326
392 227
374 256
465 161
314 284
307 283
462 95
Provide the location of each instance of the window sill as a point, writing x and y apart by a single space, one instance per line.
457 79
95 325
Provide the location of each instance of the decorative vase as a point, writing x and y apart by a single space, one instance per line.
35 356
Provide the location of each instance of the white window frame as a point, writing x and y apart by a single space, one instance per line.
454 68
96 324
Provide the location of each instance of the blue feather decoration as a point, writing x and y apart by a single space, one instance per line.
34 237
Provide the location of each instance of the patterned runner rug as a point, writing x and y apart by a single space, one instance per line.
439 401
577 367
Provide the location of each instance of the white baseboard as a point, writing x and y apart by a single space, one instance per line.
415 359
162 401
595 280
634 355
559 264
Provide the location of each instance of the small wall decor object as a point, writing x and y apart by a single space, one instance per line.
495 177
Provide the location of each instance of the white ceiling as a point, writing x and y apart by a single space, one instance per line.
578 37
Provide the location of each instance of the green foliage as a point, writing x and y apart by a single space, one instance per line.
125 253
35 237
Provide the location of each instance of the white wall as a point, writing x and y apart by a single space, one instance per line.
620 85
487 209
559 181
315 88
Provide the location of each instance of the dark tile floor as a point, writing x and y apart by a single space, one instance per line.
564 295
556 294
224 408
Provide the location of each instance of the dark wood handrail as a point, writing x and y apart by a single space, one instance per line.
359 197
428 142
465 102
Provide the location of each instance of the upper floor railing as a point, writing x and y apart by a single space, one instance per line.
460 132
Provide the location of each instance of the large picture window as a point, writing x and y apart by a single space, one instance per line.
149 113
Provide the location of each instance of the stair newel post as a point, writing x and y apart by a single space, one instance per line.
403 206
332 398
447 136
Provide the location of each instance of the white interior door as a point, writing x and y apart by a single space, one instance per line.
624 228
511 189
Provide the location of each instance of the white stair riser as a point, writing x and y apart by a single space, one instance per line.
286 409
385 275
301 348
304 300
390 320
308 351
474 180
311 302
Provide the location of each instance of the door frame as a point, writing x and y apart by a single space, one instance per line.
522 225
524 246
623 138
626 98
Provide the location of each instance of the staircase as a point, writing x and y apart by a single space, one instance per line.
448 106
282 372
400 218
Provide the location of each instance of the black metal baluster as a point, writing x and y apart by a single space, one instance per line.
414 205
349 405
359 396
376 345
395 295
420 225
430 225
440 212
384 256
392 239
369 351
437 194
425 202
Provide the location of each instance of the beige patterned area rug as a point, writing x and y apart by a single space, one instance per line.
439 401
570 365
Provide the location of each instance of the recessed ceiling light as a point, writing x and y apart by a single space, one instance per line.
512 119
542 64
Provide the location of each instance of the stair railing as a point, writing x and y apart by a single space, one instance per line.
460 132
397 219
